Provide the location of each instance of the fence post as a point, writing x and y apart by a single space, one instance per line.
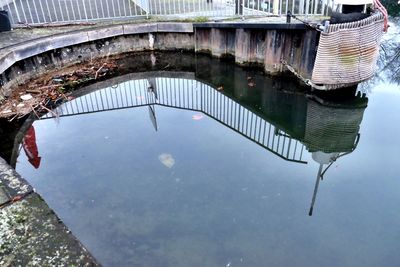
276 7
307 8
301 7
238 7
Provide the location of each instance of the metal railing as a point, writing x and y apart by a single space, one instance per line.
187 94
71 11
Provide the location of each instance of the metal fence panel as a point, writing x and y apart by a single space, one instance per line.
70 11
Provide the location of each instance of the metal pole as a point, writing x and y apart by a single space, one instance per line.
315 190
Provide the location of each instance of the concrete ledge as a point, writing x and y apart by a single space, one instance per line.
11 184
264 26
107 32
30 232
12 54
139 28
175 27
38 46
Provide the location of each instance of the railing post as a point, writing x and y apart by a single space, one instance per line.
148 9
276 7
239 7
307 8
301 7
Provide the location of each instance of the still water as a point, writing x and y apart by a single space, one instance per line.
221 167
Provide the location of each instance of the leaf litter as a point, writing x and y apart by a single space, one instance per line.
44 93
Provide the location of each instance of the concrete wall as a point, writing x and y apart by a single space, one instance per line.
265 45
27 61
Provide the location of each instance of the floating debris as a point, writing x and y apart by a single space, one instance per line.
251 84
51 89
220 88
26 97
58 80
197 117
167 160
7 111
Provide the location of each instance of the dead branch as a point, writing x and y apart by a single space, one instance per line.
97 72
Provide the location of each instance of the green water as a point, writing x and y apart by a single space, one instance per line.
217 166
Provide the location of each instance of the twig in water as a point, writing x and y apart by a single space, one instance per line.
48 110
33 91
49 86
10 120
34 111
97 72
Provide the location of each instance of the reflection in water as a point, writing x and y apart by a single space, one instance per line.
330 133
184 188
188 94
327 132
30 147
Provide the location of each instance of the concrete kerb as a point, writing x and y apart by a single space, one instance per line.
30 230
11 184
23 51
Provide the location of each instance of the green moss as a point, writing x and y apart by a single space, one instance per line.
20 218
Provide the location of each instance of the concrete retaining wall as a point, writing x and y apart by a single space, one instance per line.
29 60
266 45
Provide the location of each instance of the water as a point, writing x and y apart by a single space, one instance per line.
196 168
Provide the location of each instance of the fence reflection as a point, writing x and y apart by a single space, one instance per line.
192 95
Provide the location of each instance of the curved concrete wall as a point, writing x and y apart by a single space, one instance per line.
29 60
272 46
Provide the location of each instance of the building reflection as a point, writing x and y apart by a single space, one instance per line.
285 122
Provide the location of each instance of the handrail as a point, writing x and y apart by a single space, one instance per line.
384 11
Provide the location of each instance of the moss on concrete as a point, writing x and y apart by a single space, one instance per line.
31 234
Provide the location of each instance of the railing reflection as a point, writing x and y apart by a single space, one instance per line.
286 124
186 94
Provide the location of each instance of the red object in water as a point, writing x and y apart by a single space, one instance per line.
30 147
